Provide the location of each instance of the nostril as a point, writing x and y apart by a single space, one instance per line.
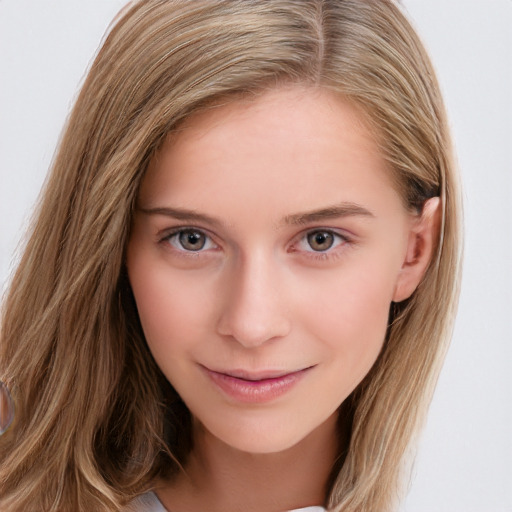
251 332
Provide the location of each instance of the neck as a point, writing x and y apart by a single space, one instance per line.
220 478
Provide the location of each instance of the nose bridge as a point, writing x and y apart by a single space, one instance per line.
254 310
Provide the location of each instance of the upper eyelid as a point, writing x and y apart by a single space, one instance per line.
335 231
168 232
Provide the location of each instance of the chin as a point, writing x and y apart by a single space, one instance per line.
262 437
262 444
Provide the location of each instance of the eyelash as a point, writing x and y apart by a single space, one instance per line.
329 253
167 239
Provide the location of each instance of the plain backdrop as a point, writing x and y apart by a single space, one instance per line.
464 462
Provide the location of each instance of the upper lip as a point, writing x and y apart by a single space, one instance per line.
256 375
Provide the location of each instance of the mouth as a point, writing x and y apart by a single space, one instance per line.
255 387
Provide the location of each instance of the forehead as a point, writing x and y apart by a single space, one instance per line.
295 145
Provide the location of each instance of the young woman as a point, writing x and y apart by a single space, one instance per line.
240 285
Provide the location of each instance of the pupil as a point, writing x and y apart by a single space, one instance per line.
192 240
320 241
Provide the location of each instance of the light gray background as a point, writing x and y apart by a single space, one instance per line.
465 458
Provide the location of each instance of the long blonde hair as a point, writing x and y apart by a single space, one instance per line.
96 421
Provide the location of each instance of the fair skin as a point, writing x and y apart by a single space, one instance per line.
267 247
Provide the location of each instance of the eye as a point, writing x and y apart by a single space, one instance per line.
190 240
321 240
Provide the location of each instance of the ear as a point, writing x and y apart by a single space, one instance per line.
421 244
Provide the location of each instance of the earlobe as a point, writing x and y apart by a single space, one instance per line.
421 244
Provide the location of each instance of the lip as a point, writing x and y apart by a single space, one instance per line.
255 387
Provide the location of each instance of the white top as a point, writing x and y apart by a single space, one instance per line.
149 502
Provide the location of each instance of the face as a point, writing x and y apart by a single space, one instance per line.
266 249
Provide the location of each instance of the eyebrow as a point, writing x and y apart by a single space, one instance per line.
345 209
182 214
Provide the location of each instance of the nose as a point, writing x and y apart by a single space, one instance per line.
255 309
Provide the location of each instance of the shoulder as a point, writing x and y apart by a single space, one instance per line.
147 502
309 509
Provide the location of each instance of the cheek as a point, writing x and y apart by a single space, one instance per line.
349 315
173 308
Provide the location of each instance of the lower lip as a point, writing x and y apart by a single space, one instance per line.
255 391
